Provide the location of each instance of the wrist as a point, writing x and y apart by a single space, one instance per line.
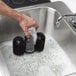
16 15
19 17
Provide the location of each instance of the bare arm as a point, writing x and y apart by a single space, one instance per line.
7 11
24 21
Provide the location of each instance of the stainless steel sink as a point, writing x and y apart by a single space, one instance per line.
39 14
46 18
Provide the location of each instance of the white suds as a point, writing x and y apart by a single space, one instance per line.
51 61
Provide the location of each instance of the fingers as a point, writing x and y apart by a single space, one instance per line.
27 23
35 25
27 31
27 34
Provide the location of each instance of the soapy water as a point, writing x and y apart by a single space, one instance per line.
52 61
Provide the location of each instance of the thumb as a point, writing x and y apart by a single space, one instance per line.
27 34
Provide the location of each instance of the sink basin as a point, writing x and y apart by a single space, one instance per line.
55 60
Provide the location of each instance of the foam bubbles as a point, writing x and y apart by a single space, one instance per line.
52 61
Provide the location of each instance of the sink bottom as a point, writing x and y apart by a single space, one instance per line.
52 61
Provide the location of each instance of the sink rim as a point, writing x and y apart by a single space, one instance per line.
26 10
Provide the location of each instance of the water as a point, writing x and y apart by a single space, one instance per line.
53 61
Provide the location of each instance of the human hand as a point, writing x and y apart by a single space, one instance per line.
26 23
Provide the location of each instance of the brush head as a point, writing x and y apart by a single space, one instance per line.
34 43
19 46
40 42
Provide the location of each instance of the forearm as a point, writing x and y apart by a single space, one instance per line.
7 11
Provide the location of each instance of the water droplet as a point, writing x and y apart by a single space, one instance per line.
57 24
